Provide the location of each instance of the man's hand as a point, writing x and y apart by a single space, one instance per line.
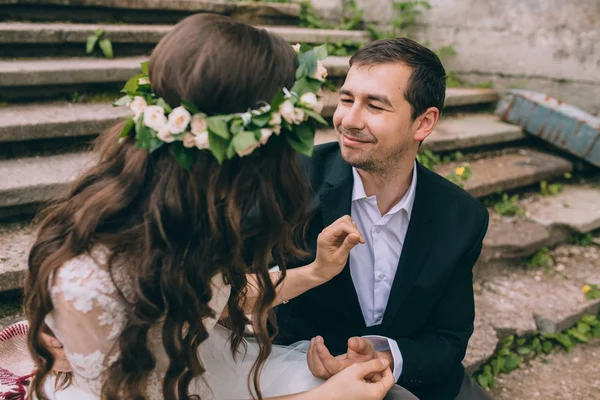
323 365
61 364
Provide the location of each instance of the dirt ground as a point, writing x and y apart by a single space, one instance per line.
563 376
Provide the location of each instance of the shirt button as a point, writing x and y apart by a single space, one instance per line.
381 277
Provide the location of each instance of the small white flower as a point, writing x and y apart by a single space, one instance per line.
321 72
165 136
310 100
275 119
199 124
276 129
286 109
265 134
318 107
248 150
143 81
189 140
154 118
201 140
299 116
179 119
138 106
297 47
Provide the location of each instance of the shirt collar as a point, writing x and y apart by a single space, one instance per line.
406 203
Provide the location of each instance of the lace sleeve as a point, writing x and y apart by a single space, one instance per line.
88 317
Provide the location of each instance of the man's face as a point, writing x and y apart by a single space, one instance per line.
373 119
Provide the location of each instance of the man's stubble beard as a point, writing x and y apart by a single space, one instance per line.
380 167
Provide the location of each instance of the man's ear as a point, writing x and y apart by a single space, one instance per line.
425 123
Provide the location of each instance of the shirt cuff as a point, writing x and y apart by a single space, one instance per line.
381 343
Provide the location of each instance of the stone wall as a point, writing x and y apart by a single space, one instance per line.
552 46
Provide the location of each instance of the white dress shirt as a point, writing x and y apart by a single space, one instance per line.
373 265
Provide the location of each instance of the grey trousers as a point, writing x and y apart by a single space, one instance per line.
469 390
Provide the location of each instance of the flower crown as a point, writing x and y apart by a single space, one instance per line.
293 113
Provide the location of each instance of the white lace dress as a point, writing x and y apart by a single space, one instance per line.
89 315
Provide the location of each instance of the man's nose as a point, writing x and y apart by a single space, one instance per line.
352 119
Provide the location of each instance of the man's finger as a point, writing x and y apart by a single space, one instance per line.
361 346
314 362
331 364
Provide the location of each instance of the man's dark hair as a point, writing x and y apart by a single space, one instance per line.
427 84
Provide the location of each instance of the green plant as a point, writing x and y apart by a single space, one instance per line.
551 189
352 17
428 159
582 240
460 175
485 85
445 52
591 291
344 48
97 40
407 13
513 351
456 156
504 204
541 259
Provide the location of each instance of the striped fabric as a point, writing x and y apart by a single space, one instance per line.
16 366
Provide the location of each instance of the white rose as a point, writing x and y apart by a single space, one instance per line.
265 134
318 107
179 119
321 72
299 116
199 124
275 119
276 129
309 100
154 118
286 109
202 140
165 136
189 140
248 150
138 106
297 47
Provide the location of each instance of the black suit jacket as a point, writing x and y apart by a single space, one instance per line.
430 310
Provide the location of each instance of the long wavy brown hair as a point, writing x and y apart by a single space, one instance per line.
177 229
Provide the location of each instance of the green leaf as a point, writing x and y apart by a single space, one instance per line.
596 331
145 67
309 59
243 140
160 102
504 352
129 124
500 364
483 381
521 341
536 345
512 362
91 44
523 350
218 126
579 336
316 116
487 370
565 341
99 32
184 156
146 137
547 347
218 146
190 107
106 47
321 52
590 319
123 101
583 327
302 139
277 101
494 365
261 120
508 341
301 72
132 84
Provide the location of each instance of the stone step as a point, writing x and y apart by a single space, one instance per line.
39 78
460 133
144 11
60 119
520 301
509 171
16 240
23 39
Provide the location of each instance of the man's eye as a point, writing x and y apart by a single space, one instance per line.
375 107
346 101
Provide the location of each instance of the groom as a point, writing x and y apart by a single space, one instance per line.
408 290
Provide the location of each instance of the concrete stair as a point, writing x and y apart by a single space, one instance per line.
144 11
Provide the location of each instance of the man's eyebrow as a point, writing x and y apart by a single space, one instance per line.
375 97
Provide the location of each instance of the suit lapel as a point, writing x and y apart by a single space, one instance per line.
336 201
418 244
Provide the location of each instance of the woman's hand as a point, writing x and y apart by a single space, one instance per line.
333 247
61 364
350 383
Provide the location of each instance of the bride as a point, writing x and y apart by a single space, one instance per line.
140 271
